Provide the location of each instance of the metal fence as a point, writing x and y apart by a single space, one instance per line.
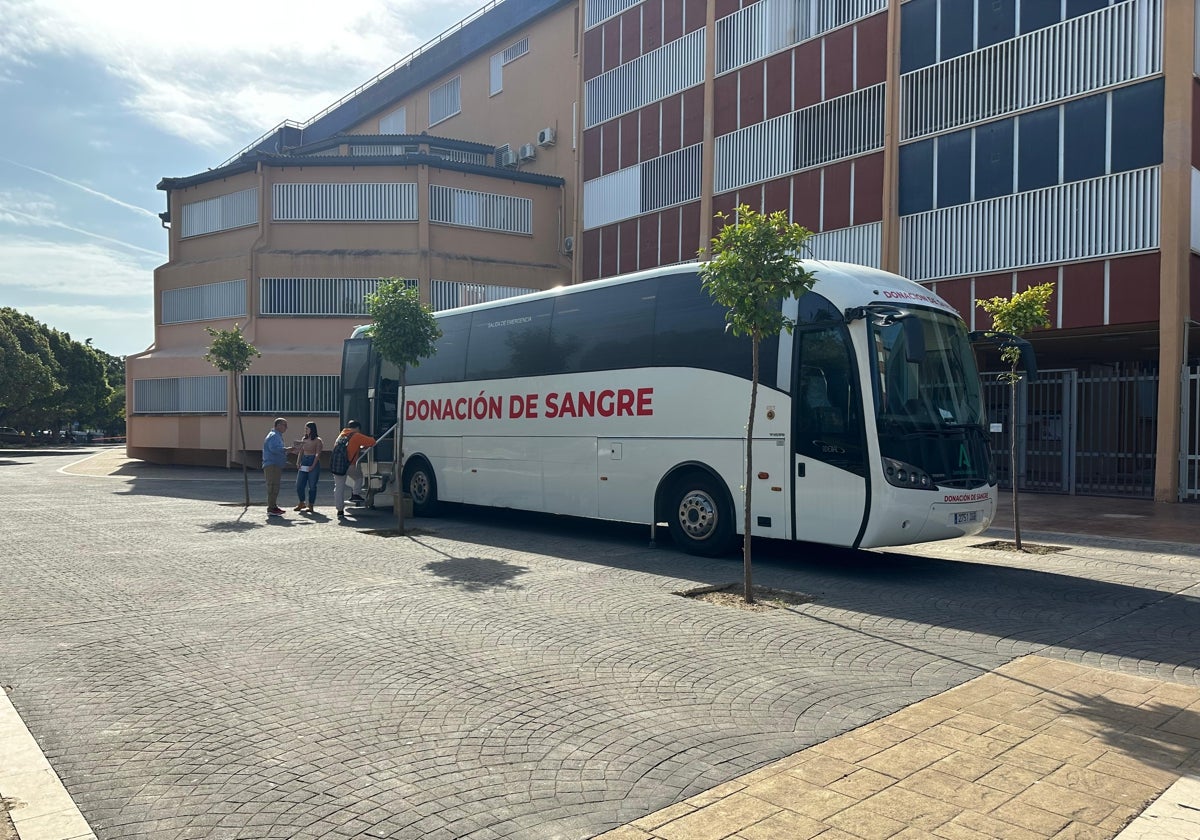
1087 432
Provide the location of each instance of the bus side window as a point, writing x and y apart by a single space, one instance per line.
828 418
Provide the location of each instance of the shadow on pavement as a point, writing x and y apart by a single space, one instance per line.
1041 607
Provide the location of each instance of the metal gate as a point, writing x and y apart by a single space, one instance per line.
1092 433
1189 451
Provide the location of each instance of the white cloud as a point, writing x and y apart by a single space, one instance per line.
221 72
78 270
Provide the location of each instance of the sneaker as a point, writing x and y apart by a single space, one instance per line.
299 506
341 515
357 498
310 509
275 511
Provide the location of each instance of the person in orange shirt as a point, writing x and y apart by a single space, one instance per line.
355 443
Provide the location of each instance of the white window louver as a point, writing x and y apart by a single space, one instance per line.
390 202
860 244
1095 51
444 101
1083 220
487 211
181 395
276 394
829 131
663 72
598 11
394 123
449 294
612 197
204 302
769 26
225 212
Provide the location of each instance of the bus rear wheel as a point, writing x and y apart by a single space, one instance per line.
421 487
700 516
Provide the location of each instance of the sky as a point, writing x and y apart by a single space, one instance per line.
101 99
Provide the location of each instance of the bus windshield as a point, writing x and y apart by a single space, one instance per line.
929 404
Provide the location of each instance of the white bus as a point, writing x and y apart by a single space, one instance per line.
626 399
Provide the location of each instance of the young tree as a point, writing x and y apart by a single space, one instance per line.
1015 316
404 332
756 263
232 353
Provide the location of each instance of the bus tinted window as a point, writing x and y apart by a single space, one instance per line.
447 364
510 341
689 331
604 329
815 309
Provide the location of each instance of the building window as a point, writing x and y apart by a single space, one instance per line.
918 35
507 56
916 177
390 202
451 294
488 211
1084 136
225 212
275 394
444 101
181 395
205 302
954 169
994 159
1137 126
318 296
394 123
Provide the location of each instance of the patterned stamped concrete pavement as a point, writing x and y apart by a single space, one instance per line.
193 670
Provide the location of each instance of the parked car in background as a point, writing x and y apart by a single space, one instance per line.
10 435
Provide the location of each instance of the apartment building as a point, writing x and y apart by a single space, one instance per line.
453 169
976 146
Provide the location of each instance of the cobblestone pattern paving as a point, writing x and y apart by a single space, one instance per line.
191 670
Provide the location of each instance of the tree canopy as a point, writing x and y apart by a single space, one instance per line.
50 381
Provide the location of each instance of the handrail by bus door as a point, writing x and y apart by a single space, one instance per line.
370 458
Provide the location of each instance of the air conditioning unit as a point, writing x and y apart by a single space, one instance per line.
528 152
505 156
569 245
546 137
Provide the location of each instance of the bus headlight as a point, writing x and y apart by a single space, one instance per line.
900 474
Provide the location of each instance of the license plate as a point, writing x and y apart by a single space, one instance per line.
966 516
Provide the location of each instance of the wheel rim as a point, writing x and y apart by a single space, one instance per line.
698 515
418 487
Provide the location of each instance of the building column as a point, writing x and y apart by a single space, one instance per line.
708 156
889 245
1174 239
424 210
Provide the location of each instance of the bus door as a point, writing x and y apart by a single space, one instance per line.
829 473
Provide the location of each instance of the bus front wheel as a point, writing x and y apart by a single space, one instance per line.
700 516
421 486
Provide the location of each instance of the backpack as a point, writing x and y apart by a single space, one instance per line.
339 460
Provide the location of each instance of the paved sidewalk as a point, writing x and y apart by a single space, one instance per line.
1036 749
191 670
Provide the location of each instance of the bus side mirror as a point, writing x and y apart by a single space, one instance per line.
884 315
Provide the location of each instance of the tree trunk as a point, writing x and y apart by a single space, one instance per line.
746 569
1013 460
398 461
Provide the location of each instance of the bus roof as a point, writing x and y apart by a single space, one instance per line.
844 284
